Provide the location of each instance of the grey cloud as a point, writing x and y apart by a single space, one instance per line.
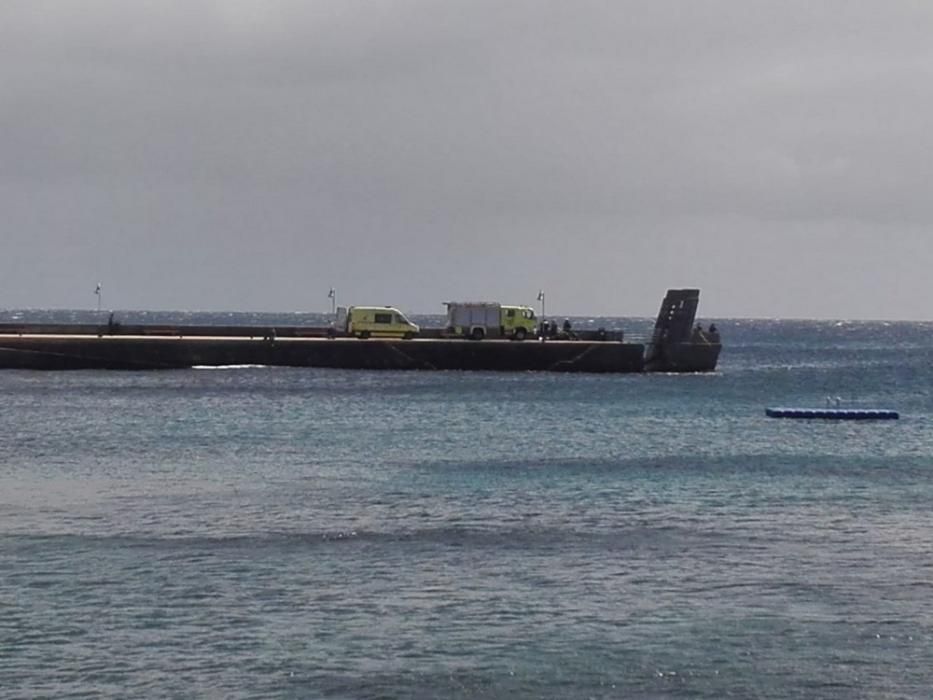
253 151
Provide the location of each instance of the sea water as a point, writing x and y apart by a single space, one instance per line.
315 533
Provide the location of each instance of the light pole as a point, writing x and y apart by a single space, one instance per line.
541 299
332 295
97 292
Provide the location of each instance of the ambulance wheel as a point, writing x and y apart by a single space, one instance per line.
520 333
408 336
478 334
364 335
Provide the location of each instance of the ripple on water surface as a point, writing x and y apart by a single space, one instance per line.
264 532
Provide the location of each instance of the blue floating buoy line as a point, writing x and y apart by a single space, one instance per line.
833 413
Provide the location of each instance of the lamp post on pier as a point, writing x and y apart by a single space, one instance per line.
332 295
97 292
541 299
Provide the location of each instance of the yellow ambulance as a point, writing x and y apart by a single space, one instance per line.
379 322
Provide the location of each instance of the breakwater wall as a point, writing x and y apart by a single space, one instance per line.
47 352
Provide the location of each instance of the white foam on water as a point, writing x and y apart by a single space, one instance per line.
227 366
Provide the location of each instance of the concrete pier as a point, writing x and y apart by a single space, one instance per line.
675 347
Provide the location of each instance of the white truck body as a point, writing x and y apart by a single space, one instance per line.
474 319
466 315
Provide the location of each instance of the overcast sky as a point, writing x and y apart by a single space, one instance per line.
227 155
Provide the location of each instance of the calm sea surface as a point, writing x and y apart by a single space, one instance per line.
301 533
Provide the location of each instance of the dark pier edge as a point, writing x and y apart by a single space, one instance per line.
675 347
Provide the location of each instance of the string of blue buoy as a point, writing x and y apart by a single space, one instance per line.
833 413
